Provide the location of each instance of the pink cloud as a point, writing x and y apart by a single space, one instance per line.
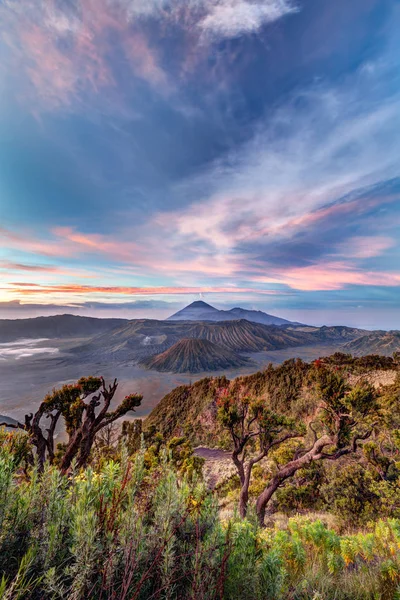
63 55
365 246
329 276
27 242
144 60
65 242
24 288
12 267
225 221
98 243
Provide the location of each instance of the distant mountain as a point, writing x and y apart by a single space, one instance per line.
376 342
335 333
201 311
7 420
194 356
196 311
58 326
138 339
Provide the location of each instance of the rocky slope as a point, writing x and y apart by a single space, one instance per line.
376 342
194 356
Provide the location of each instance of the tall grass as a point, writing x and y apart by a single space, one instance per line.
126 531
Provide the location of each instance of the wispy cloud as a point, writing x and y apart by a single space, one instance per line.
66 50
330 276
230 18
24 290
43 269
276 181
220 18
198 148
320 162
365 246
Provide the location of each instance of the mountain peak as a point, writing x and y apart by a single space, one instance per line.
193 355
201 311
199 304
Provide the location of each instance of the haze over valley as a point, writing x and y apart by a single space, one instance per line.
152 357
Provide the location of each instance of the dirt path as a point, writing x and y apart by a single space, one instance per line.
218 465
212 453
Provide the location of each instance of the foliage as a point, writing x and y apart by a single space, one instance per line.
289 388
349 494
344 418
139 522
84 407
362 364
122 531
127 531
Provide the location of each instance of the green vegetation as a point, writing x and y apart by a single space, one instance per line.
343 419
142 528
290 388
76 404
136 520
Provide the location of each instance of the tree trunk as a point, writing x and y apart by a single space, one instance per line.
243 502
71 451
264 498
244 491
41 447
244 478
85 449
288 471
39 441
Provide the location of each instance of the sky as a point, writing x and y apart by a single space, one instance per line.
246 152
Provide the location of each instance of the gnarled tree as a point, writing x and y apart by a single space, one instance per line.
344 418
84 406
255 431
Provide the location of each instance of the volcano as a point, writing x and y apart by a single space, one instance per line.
194 356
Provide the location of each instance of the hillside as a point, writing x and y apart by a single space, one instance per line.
376 342
339 333
201 311
244 336
7 420
58 326
194 356
191 410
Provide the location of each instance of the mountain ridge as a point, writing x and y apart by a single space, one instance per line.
139 339
375 342
201 311
55 326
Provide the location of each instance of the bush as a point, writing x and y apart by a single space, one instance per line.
125 531
119 532
348 493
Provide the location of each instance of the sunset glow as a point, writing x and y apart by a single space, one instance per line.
160 151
